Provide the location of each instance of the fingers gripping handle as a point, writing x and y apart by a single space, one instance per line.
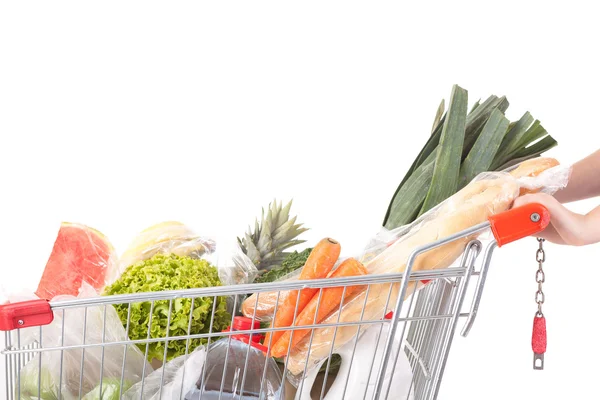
519 222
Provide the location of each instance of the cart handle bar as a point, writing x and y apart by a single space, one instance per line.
507 227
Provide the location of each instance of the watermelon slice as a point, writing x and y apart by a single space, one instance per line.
80 254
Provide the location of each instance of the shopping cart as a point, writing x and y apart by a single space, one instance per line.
426 323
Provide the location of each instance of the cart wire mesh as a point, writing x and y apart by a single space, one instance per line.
424 321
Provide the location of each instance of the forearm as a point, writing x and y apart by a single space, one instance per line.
575 229
584 182
592 226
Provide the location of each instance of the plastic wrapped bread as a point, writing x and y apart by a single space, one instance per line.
477 196
469 207
488 194
535 175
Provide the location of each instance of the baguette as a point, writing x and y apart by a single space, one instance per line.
472 205
532 168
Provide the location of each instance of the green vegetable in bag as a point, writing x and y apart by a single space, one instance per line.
110 390
170 272
30 383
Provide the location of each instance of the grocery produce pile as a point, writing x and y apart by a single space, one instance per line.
476 158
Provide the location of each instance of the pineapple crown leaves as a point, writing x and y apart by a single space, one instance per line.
274 233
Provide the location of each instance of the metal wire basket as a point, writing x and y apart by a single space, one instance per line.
424 325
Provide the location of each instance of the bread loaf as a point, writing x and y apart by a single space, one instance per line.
531 168
472 205
534 167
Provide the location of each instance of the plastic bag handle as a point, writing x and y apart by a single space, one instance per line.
519 222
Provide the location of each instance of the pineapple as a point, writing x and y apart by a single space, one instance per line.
275 233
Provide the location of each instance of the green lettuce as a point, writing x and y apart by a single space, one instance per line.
170 272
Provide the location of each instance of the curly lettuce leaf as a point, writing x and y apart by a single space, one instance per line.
170 272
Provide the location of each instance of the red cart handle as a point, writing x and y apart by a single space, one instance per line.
519 222
25 314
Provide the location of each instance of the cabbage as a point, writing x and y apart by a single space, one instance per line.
170 272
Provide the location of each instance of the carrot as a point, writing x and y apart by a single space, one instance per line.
319 263
330 300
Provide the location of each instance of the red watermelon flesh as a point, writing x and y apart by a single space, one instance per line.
80 254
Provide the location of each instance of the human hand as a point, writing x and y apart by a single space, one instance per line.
566 227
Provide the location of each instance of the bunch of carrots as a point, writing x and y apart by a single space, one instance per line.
310 310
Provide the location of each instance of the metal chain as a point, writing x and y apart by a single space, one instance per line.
540 276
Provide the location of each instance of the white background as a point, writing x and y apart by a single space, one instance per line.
119 115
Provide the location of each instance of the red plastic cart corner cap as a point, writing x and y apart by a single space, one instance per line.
519 222
25 314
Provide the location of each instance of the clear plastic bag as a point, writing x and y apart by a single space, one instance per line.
102 325
168 237
548 181
176 238
486 195
242 360
177 378
235 267
183 376
357 361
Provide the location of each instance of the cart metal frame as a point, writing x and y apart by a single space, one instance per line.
427 327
